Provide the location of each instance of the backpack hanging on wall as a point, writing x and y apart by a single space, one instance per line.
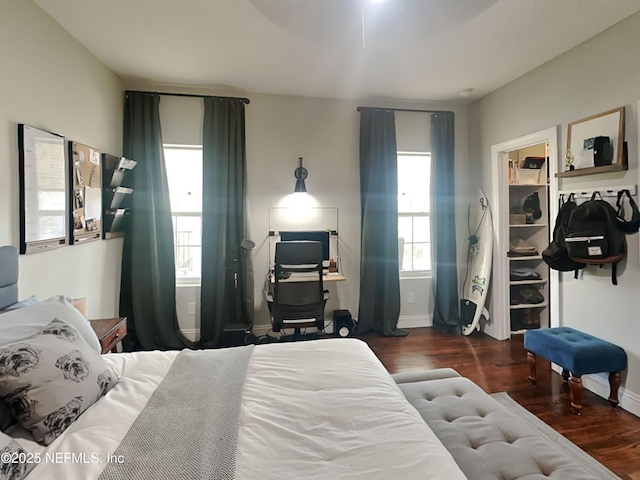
556 254
595 232
632 225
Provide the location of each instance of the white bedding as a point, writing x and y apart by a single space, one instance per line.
322 409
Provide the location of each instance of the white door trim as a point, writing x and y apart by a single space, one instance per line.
500 326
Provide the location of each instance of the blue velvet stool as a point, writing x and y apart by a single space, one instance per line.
579 354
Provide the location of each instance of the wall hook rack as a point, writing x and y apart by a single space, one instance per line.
604 191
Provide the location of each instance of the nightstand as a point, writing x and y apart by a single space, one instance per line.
110 331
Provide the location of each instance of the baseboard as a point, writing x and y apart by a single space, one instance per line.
598 383
407 321
415 321
260 330
192 334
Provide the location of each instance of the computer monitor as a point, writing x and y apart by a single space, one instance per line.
321 236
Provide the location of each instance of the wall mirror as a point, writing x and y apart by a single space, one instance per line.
595 145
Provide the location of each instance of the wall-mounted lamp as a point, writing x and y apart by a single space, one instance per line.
300 174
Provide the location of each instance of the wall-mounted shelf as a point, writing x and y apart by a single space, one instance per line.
578 172
525 185
528 305
527 257
528 225
116 198
581 146
527 282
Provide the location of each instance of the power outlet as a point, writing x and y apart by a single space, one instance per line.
191 308
411 297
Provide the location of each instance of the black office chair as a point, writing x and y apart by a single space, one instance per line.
298 298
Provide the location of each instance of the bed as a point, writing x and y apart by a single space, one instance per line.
322 409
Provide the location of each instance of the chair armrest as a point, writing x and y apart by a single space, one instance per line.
325 295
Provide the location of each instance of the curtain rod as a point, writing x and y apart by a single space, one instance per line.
244 100
403 110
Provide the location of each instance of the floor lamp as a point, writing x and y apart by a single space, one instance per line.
235 333
244 246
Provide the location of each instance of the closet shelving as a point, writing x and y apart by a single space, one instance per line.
524 315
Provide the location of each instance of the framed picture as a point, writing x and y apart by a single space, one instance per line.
596 144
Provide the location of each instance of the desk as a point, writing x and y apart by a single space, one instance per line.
333 277
305 277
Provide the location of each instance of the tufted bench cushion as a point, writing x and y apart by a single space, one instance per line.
577 353
486 440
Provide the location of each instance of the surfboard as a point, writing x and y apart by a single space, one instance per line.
479 257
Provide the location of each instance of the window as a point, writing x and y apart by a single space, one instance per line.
414 248
184 173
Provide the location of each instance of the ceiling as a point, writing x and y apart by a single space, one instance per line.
421 50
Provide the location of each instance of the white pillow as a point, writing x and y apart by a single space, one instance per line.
50 378
6 419
17 467
27 302
20 324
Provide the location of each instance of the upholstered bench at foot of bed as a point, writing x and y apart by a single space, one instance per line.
578 354
485 440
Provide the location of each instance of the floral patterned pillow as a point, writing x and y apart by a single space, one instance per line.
48 379
6 419
14 461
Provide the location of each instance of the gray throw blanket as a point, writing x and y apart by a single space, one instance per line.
189 427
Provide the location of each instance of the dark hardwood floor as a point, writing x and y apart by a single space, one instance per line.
612 436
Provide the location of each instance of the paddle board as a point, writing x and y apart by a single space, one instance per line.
479 257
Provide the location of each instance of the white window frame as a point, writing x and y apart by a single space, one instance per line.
184 280
415 273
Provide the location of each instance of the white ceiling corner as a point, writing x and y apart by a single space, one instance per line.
426 50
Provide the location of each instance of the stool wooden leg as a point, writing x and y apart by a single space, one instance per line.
531 359
614 385
576 392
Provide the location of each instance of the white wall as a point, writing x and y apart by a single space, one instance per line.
601 74
279 129
51 82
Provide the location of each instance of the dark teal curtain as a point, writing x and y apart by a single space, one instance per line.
148 284
443 226
224 222
379 307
